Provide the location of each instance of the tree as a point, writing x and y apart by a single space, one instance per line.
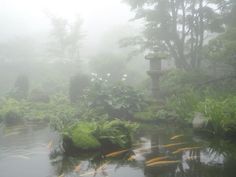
178 28
21 87
222 50
66 39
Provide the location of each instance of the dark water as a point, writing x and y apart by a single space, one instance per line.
24 152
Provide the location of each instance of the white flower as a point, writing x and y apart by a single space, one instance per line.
108 74
94 74
100 79
125 75
123 79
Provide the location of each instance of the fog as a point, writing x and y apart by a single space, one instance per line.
26 37
132 88
30 17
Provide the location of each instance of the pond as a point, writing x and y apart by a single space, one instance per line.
25 152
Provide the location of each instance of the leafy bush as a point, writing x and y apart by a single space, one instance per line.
184 104
58 111
179 81
116 133
115 99
156 112
11 111
220 113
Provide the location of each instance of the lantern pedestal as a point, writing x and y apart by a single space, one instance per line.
154 73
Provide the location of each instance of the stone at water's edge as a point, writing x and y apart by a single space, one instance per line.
199 121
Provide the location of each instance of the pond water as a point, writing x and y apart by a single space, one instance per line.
25 152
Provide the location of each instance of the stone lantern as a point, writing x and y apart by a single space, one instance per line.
154 73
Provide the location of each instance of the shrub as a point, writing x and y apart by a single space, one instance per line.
11 111
220 113
115 99
58 111
185 104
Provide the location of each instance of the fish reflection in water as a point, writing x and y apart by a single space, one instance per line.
176 137
163 163
185 149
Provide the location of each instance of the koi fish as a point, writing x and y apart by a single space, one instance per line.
103 166
132 157
92 173
163 163
77 168
113 154
156 159
185 149
176 136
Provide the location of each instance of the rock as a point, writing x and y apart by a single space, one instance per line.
199 121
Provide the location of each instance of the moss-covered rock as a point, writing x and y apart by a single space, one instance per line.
89 136
81 136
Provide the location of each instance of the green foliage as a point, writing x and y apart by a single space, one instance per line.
220 113
94 135
115 132
156 112
115 99
11 111
183 39
184 104
58 111
221 52
179 81
82 136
